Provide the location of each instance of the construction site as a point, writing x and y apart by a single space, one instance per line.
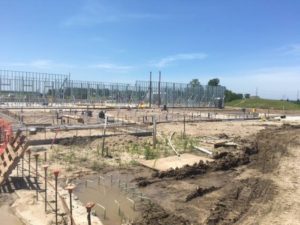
150 152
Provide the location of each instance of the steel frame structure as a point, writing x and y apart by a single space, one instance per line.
19 86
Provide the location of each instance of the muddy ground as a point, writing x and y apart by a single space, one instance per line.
239 187
242 194
255 183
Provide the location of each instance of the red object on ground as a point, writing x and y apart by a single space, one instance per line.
5 134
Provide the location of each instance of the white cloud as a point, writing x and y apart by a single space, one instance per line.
111 67
178 57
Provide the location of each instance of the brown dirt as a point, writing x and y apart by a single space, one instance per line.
156 215
230 208
247 193
257 184
225 161
199 192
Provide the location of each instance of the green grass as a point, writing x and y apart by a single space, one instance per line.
264 104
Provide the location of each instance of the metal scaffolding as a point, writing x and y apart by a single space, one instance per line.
18 86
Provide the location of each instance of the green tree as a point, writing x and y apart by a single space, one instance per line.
213 82
230 96
247 96
195 83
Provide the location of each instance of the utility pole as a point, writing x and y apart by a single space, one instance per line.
159 98
150 90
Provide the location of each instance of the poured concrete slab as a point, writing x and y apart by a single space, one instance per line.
166 163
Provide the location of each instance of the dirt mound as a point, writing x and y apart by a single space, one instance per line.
199 192
219 155
186 171
251 149
271 149
143 182
224 162
153 214
230 208
230 160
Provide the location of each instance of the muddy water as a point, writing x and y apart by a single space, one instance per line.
110 195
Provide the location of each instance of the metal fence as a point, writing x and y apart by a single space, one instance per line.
18 86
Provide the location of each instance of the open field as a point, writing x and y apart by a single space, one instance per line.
147 166
264 104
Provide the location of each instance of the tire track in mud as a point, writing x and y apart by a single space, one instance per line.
237 198
272 144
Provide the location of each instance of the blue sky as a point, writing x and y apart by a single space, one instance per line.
248 44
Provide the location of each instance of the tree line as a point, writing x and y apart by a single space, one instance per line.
229 95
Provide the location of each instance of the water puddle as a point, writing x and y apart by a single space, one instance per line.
116 198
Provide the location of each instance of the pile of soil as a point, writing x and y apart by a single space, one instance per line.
272 149
224 161
199 192
153 214
229 160
186 171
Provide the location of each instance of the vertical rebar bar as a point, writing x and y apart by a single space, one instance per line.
36 156
45 156
184 126
45 170
29 153
18 169
22 165
56 172
89 207
154 132
103 138
71 210
70 190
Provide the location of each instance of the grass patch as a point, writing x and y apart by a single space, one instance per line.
264 104
96 165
